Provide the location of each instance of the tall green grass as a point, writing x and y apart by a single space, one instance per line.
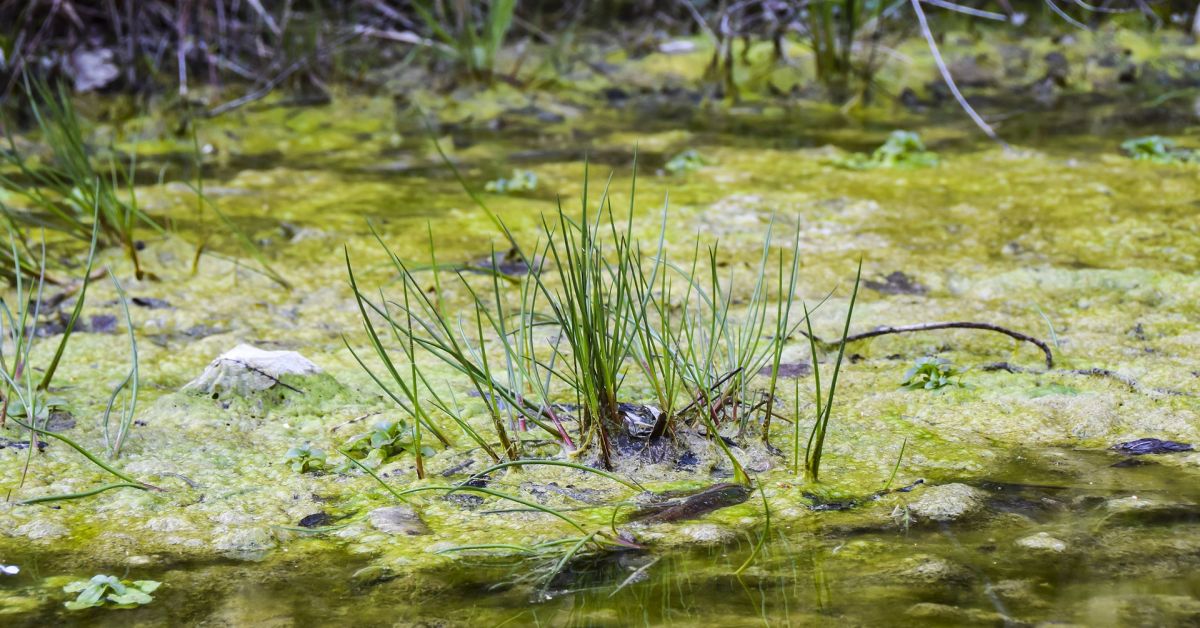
27 402
472 32
816 437
555 353
60 193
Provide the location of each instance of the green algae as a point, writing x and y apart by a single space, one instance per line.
1105 250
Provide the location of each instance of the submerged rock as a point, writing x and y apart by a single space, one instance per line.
691 506
398 520
933 570
948 502
1143 446
1042 542
930 611
246 369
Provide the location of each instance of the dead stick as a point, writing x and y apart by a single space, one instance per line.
902 329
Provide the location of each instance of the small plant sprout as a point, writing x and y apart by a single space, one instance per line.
903 149
110 592
687 161
1159 150
521 181
932 373
305 458
385 440
816 437
114 441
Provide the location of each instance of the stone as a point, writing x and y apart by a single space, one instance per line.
933 570
707 533
246 369
1042 542
398 520
35 530
948 502
245 541
91 69
952 614
1143 446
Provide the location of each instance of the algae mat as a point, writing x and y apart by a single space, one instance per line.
1021 517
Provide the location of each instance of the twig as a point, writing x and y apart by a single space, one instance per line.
950 6
945 71
903 329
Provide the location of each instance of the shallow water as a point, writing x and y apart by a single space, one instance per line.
1066 231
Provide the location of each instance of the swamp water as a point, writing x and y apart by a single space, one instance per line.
1023 515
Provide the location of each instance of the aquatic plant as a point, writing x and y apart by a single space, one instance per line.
932 373
614 307
305 458
114 441
902 149
385 440
110 592
816 437
686 161
520 181
1159 150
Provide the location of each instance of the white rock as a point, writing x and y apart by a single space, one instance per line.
245 369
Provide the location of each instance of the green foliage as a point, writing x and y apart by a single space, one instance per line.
612 308
688 161
471 36
114 441
305 458
111 592
903 149
385 440
932 373
816 437
521 181
69 192
845 38
1159 150
24 386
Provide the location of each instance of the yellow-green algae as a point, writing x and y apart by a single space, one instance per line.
1104 247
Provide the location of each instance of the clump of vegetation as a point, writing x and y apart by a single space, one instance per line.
688 161
1159 150
520 181
305 458
816 437
385 440
932 373
903 149
110 592
471 36
68 192
114 440
26 402
553 354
